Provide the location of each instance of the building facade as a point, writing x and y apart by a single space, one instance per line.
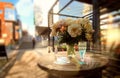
9 24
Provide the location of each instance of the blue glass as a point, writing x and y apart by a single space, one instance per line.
82 54
82 51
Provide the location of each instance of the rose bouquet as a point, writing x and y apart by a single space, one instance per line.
71 31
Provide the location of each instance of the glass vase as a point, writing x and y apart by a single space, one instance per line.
82 46
72 56
70 50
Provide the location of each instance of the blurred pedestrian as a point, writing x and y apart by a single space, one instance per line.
34 42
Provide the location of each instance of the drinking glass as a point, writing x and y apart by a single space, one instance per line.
82 50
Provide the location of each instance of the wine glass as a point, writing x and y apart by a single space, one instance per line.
82 50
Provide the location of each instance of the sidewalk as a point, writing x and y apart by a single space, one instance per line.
24 64
11 54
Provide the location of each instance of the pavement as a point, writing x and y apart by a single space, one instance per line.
24 64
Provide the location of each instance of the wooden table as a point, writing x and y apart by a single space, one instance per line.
94 64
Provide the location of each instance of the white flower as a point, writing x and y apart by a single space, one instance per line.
88 36
69 21
53 33
79 21
53 28
74 30
88 27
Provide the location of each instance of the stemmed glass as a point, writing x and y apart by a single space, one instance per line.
82 50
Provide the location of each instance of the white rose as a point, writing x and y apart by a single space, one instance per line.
74 30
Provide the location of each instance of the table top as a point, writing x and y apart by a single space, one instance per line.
92 61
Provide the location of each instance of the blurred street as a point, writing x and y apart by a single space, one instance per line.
24 64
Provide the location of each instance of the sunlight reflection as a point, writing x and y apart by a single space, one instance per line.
112 34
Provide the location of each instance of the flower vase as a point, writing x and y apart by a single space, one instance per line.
70 50
72 56
82 46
